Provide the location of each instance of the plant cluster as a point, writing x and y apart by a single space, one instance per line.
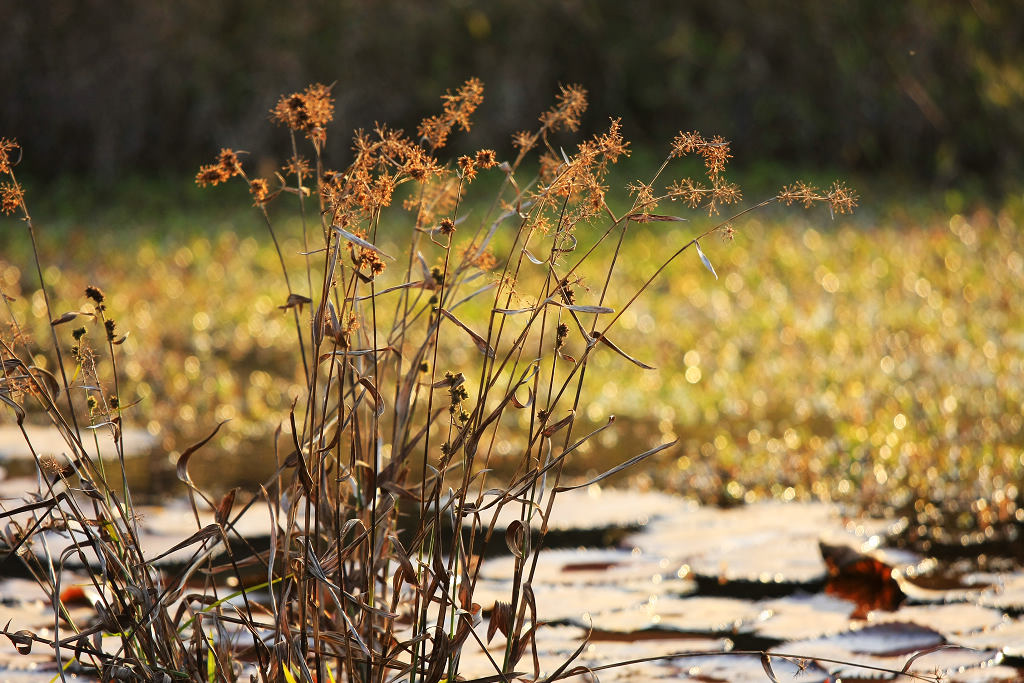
385 493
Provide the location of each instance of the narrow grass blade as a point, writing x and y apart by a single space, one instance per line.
704 258
618 468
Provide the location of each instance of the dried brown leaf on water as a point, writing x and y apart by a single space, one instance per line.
500 619
480 342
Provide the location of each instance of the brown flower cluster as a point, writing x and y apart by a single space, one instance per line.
307 112
715 154
582 179
298 167
382 161
457 110
694 193
439 197
570 104
7 146
363 258
260 190
840 198
11 197
227 166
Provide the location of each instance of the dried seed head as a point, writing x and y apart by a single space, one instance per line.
260 190
6 147
94 293
11 197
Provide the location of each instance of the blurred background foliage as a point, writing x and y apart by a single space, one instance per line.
924 89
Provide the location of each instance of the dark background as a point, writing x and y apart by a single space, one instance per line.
924 89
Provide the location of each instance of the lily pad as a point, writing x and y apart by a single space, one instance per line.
804 616
948 620
879 651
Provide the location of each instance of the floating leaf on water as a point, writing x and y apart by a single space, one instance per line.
722 616
942 587
769 543
799 617
704 259
748 669
889 646
1007 594
1007 637
949 620
579 566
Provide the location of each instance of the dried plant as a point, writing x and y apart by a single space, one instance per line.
388 427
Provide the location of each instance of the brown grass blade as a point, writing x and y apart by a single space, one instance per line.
480 342
359 241
618 468
600 337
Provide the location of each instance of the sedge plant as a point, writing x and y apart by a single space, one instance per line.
414 364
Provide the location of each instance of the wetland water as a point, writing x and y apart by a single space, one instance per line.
648 574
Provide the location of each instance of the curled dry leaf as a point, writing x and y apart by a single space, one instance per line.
295 300
602 338
480 342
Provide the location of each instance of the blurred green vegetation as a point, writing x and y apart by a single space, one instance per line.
874 359
929 90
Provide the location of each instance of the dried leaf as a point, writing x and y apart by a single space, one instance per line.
296 300
618 468
181 468
480 342
501 619
224 508
707 263
580 309
360 241
533 259
372 388
653 217
45 379
18 410
65 318
766 662
517 538
207 532
608 342
551 429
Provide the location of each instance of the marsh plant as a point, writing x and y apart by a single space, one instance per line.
414 365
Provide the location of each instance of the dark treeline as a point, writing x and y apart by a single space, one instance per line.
928 88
